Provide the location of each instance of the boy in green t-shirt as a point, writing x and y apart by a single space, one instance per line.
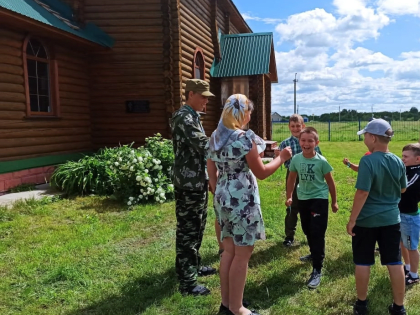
315 181
375 216
296 124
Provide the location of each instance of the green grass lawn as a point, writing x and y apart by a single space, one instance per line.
93 256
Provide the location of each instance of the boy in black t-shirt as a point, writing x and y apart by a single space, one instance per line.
410 214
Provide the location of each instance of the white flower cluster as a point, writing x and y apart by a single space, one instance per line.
145 172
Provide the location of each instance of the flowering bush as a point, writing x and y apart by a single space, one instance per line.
131 175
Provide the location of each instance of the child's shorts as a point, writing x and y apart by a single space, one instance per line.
410 231
364 242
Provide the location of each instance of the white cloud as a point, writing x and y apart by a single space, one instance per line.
249 17
399 7
350 7
318 28
333 66
410 54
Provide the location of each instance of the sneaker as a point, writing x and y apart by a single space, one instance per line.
409 280
360 309
197 290
406 272
206 271
315 279
394 312
288 242
306 258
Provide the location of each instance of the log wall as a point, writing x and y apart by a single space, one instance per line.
200 21
26 138
232 28
176 53
132 70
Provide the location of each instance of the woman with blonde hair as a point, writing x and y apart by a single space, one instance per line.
234 163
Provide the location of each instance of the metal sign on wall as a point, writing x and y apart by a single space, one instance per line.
137 106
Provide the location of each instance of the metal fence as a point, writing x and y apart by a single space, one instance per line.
347 130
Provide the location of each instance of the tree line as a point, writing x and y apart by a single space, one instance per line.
353 115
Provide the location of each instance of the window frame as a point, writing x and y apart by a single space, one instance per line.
199 52
52 79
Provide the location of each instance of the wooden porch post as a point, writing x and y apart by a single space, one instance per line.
268 125
167 58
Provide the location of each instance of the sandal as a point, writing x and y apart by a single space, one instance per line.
206 271
410 280
225 310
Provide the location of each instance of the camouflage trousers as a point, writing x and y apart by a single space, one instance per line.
191 216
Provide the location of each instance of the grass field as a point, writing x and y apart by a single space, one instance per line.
346 131
92 256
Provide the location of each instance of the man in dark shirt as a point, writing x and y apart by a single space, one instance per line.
191 186
410 214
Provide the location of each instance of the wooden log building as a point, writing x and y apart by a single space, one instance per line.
79 75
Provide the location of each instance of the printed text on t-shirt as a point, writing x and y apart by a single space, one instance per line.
306 172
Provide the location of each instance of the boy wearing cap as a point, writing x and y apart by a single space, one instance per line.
375 215
191 187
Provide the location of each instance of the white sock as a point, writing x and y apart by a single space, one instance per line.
407 267
414 275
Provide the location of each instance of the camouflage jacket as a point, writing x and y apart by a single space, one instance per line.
189 141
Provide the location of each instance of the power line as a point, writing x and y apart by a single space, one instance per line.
295 81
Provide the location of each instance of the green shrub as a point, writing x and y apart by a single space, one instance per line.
131 175
88 175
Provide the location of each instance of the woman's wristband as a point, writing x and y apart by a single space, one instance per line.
348 164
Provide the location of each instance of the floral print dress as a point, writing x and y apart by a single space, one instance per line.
236 199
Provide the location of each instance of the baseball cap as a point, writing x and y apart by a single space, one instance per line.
198 86
377 127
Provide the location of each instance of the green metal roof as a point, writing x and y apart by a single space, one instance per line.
59 15
245 55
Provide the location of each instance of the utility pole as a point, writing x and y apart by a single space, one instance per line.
339 113
372 110
295 81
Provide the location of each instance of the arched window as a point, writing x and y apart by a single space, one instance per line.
199 66
40 79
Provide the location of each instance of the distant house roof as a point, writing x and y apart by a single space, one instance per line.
59 15
275 113
245 55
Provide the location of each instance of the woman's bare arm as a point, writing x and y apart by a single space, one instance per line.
261 170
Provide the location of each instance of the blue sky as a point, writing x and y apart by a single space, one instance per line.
348 53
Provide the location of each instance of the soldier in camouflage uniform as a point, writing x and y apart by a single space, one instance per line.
191 187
